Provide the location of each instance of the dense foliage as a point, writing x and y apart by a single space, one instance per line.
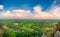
25 28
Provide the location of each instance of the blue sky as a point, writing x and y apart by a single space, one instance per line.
29 9
25 4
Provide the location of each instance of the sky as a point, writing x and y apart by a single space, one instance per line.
29 9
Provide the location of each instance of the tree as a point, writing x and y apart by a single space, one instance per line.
1 29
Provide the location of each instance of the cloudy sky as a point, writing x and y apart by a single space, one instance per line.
29 9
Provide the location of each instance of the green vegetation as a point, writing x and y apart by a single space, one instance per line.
25 28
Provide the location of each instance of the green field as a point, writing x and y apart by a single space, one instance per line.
25 28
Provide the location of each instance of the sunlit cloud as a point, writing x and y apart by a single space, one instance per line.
53 13
1 7
16 14
21 11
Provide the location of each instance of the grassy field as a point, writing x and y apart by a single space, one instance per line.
25 28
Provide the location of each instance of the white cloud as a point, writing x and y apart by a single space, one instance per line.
39 14
21 11
53 13
16 14
1 6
